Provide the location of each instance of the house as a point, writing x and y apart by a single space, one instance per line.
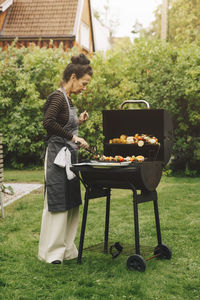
47 22
102 37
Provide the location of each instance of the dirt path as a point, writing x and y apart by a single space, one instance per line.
20 190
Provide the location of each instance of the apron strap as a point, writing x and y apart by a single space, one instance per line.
66 98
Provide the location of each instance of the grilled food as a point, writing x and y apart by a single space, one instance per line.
137 139
119 158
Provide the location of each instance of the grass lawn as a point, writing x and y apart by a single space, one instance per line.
23 276
28 176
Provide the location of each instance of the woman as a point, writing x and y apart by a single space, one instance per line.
62 194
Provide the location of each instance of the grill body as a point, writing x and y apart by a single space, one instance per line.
155 122
144 176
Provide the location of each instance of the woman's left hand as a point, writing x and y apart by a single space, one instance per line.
83 117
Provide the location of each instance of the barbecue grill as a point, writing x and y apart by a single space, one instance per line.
141 177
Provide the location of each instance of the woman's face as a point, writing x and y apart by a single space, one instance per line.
79 85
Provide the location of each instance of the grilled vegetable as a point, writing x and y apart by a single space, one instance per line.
137 139
119 158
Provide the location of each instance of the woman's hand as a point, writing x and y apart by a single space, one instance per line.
80 141
83 117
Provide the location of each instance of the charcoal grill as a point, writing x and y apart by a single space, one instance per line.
141 177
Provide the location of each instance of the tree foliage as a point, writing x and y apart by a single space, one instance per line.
164 75
28 75
183 22
184 25
168 77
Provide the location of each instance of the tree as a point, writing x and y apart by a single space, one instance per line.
183 22
184 25
105 18
164 20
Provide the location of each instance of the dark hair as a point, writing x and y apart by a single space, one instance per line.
80 65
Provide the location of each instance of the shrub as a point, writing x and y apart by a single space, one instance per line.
166 76
28 75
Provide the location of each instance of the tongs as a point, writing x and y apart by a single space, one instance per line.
93 151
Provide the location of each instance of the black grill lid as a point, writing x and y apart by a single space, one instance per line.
155 122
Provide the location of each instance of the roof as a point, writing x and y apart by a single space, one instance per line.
36 18
4 4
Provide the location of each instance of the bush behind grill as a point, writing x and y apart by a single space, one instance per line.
166 76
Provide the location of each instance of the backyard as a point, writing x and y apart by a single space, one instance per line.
159 63
99 276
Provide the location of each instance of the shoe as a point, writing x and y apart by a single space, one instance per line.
56 262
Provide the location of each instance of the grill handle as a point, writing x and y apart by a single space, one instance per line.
135 101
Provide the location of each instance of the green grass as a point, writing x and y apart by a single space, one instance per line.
23 276
28 176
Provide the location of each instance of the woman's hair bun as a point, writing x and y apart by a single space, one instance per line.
80 59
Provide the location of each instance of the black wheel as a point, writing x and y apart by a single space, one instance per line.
136 262
163 251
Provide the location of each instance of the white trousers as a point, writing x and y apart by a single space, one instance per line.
58 232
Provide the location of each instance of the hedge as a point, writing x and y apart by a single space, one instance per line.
166 76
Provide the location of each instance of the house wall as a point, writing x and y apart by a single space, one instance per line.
2 18
85 14
86 19
101 36
40 42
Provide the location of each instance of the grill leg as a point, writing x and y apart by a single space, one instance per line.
107 222
155 202
83 227
136 223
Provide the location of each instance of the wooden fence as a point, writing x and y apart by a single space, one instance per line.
1 174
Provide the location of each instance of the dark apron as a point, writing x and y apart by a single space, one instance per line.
62 194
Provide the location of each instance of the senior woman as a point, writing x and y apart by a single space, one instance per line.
62 189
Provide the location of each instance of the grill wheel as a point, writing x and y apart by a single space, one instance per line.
163 251
136 262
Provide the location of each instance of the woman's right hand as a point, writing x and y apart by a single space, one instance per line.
80 141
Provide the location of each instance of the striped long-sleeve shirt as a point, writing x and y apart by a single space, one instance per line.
56 115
